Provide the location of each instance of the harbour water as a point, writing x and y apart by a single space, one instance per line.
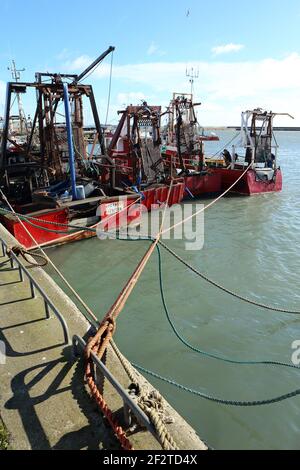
251 247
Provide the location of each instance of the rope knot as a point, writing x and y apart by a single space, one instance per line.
20 251
112 326
16 250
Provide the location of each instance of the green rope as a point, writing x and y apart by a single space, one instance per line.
162 294
183 340
211 398
199 351
29 219
224 289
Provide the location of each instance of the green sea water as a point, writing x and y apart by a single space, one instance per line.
252 247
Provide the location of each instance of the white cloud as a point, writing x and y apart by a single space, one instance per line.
225 88
63 55
79 64
130 98
2 97
227 48
154 49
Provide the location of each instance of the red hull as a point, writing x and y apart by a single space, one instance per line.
203 185
114 214
158 195
249 185
60 216
196 185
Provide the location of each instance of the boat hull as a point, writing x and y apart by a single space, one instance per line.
53 230
196 184
250 184
201 185
154 197
113 214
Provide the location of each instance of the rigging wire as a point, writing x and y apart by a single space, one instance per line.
224 146
12 105
92 71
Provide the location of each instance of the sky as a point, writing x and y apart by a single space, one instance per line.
245 54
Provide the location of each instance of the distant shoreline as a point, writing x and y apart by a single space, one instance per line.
237 128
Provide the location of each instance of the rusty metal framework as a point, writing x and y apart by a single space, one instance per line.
139 127
258 137
48 160
183 127
52 136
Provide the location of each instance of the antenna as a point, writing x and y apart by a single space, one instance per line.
16 74
192 74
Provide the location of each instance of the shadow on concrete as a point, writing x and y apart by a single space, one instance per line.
25 404
2 304
90 437
7 270
18 325
10 352
104 435
10 283
98 434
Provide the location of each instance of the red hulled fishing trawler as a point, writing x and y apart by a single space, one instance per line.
53 184
252 166
135 149
183 148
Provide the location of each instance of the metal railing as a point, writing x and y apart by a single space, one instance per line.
34 286
130 404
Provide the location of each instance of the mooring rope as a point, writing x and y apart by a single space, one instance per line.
149 402
20 251
224 289
211 398
184 341
199 351
99 343
118 306
37 245
238 296
205 208
28 218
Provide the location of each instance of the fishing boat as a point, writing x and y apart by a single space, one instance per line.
256 171
135 150
183 148
50 183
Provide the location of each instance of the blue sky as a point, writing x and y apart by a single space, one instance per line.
247 53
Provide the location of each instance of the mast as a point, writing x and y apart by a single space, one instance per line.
16 75
192 74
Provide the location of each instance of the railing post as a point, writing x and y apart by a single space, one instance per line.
35 287
127 414
21 273
76 352
33 296
47 309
